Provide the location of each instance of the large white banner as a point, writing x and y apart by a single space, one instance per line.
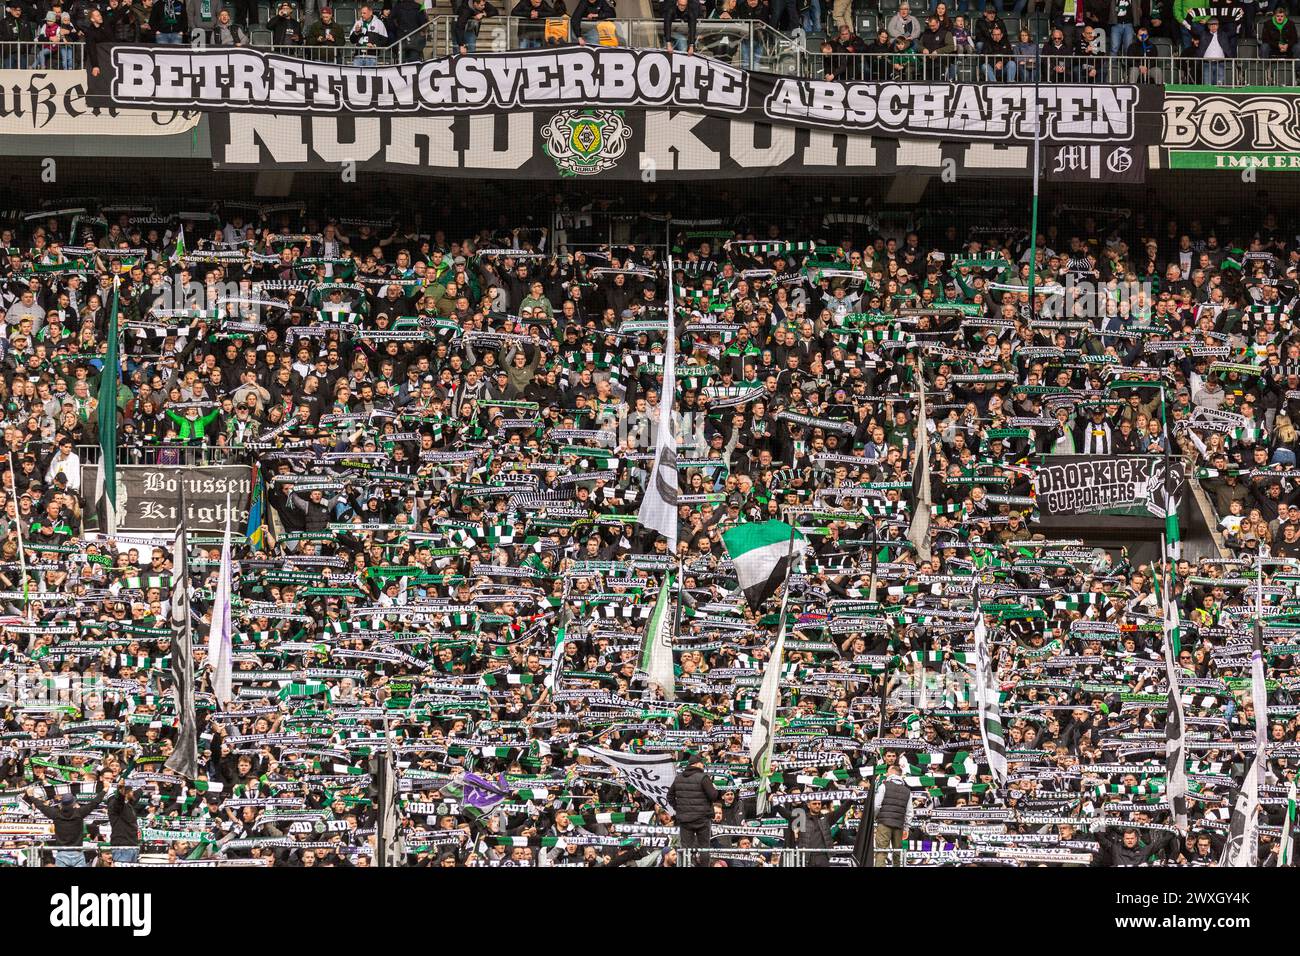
53 102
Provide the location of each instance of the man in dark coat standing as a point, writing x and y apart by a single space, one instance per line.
692 796
810 829
69 825
122 820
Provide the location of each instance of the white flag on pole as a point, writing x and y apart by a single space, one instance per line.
219 633
659 506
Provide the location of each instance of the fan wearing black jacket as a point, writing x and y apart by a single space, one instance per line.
692 796
681 11
125 826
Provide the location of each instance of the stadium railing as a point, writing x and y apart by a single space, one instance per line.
41 55
774 856
168 455
1103 69
749 44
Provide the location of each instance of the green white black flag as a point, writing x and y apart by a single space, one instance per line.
762 552
990 717
657 648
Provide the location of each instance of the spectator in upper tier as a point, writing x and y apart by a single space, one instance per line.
170 21
592 22
1125 15
403 21
1148 70
903 24
681 20
1278 35
1214 46
999 63
228 33
533 31
1055 55
983 27
325 31
369 32
286 29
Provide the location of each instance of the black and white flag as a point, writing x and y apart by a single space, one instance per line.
990 715
185 758
649 774
1175 762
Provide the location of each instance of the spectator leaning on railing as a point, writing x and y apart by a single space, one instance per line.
468 21
588 16
681 12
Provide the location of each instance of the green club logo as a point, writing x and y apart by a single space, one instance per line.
585 142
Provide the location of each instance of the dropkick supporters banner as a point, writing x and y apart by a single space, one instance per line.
149 496
1106 484
610 80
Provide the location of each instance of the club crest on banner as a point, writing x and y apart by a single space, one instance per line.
585 142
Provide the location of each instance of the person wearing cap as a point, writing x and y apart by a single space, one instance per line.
692 796
286 29
69 818
124 823
325 31
1213 45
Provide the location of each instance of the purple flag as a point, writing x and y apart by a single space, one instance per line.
481 794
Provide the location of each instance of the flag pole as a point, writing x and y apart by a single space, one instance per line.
18 526
865 845
778 652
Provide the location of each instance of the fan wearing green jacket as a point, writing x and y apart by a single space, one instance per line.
190 427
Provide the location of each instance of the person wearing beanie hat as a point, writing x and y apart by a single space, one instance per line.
325 31
69 826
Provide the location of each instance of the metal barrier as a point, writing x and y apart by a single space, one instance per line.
41 55
749 44
168 455
775 856
752 45
1010 68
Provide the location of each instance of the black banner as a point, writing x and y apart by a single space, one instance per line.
648 145
1131 485
149 496
1094 162
617 78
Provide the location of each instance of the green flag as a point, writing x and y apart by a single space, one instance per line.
106 501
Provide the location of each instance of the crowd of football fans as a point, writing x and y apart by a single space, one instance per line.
452 435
